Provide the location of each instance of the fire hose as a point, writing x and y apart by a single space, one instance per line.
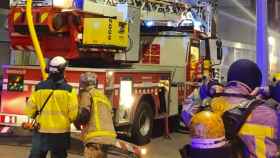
34 38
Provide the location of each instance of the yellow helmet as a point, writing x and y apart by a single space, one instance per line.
207 125
219 105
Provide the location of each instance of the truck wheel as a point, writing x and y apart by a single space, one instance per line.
143 124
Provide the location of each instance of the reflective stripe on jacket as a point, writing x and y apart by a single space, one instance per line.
60 110
259 132
100 128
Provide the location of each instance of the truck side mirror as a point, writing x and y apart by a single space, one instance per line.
219 49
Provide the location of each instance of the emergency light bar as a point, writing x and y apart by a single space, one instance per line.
158 26
186 25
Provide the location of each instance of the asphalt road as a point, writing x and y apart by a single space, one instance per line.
19 146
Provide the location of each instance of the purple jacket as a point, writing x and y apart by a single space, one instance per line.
259 132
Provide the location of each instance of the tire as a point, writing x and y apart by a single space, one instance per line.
143 124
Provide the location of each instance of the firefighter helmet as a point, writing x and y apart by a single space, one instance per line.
56 65
208 136
207 125
88 79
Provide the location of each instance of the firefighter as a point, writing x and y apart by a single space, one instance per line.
206 127
96 118
54 105
259 131
250 124
199 99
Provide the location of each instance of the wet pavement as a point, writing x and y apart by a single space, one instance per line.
19 146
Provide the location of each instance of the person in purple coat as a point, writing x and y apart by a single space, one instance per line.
259 131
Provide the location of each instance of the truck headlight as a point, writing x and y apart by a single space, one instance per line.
126 97
128 102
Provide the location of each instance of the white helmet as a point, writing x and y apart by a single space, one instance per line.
56 65
88 79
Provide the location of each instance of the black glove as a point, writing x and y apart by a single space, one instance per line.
83 117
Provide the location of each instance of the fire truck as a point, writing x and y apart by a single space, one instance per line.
148 55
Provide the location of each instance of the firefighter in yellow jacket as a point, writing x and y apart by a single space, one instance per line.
95 116
58 104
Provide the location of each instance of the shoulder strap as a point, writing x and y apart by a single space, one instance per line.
247 111
235 118
45 103
237 143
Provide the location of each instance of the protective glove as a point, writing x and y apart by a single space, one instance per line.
83 117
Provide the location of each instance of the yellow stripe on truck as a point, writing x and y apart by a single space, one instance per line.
43 17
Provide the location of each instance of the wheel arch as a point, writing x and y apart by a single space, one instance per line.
146 97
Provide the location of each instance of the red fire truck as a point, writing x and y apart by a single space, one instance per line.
147 55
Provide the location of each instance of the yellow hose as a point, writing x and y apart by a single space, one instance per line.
34 38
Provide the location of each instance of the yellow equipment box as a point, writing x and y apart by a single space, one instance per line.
105 32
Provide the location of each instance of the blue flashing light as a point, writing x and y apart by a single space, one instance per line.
79 4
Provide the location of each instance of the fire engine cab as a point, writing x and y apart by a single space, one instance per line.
148 55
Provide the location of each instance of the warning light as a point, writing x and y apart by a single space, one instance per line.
15 82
